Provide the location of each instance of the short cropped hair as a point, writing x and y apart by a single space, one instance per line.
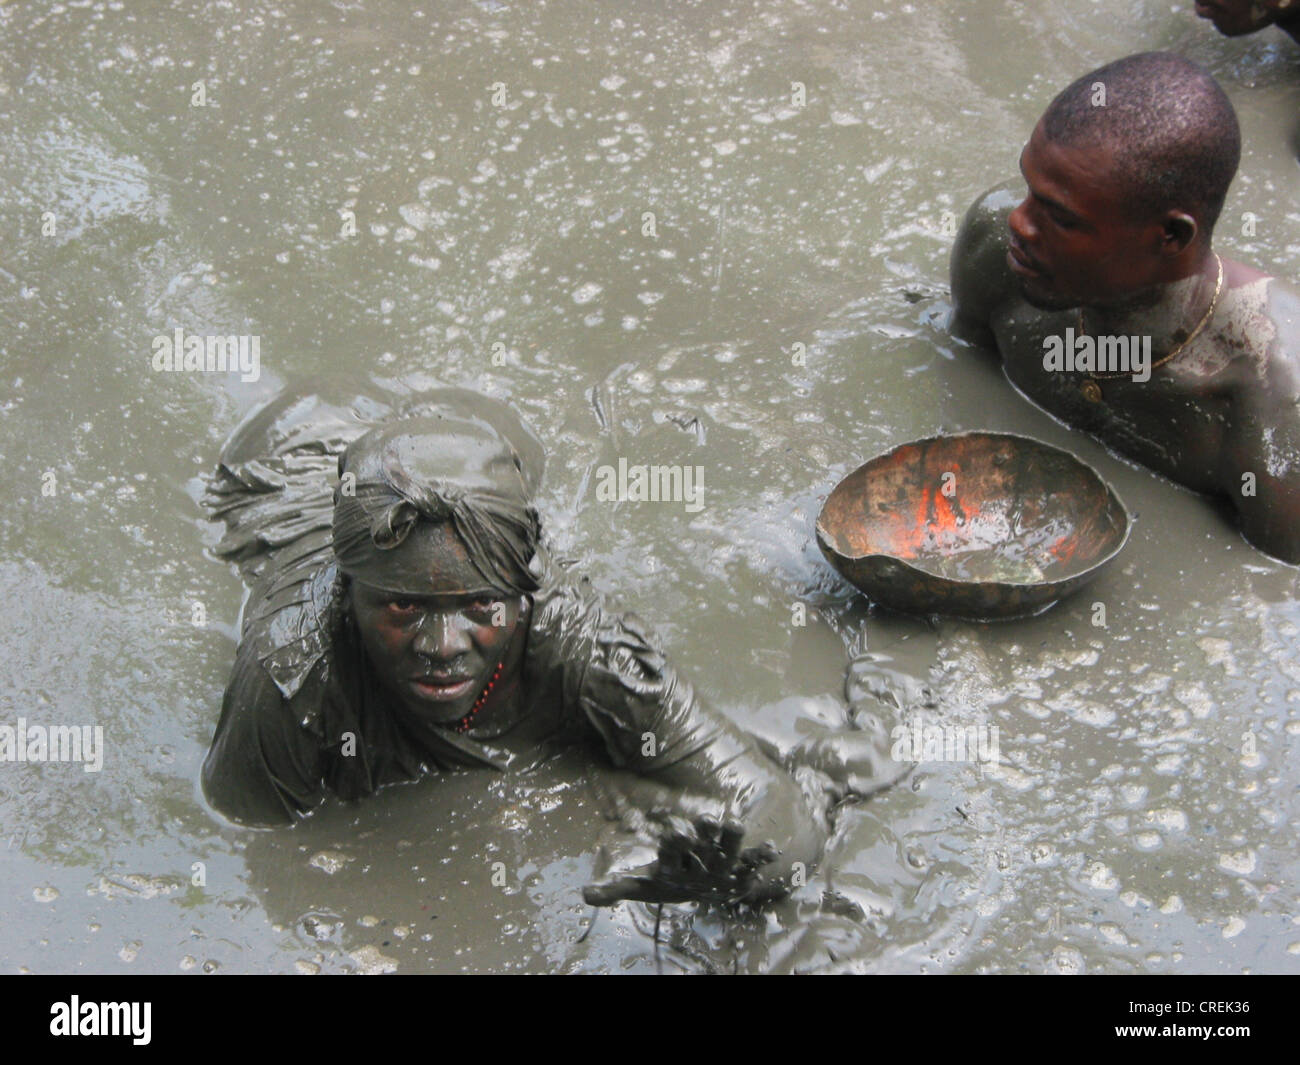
1172 132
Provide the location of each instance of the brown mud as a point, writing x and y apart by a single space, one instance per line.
1140 815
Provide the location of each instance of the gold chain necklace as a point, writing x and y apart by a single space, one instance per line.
1089 387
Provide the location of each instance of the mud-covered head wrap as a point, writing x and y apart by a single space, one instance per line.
399 482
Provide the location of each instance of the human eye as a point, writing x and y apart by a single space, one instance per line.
402 607
483 605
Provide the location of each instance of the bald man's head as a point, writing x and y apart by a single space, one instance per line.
1170 131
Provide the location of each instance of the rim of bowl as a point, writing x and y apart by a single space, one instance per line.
961 582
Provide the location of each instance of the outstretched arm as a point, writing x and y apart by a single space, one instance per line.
709 858
759 828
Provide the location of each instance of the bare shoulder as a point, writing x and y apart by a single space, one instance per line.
1283 309
981 280
1261 457
1261 317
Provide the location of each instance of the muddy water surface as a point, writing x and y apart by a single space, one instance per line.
500 163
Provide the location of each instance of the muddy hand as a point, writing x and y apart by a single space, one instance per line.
703 861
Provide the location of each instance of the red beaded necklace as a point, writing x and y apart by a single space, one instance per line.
464 723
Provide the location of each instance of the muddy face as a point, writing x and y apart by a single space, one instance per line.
435 654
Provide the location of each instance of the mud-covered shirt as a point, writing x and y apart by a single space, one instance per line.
304 717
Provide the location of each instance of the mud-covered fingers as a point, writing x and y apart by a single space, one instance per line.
754 858
631 889
677 852
730 836
721 841
640 883
708 827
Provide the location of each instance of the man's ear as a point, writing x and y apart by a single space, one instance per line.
1179 232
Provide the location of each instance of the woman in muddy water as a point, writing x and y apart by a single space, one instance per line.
404 617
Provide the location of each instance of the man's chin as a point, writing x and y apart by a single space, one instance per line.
427 709
1044 300
442 717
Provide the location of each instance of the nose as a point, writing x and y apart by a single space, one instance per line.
441 637
1020 224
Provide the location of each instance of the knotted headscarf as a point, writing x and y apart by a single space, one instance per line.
398 482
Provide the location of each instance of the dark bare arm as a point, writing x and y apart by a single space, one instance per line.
981 280
1261 473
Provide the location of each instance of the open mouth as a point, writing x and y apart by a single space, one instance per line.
441 689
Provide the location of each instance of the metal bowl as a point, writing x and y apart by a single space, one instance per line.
976 525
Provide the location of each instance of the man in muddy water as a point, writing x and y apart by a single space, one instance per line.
404 617
1109 308
1236 18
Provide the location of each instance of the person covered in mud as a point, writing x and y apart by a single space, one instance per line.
1109 308
1236 18
404 617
